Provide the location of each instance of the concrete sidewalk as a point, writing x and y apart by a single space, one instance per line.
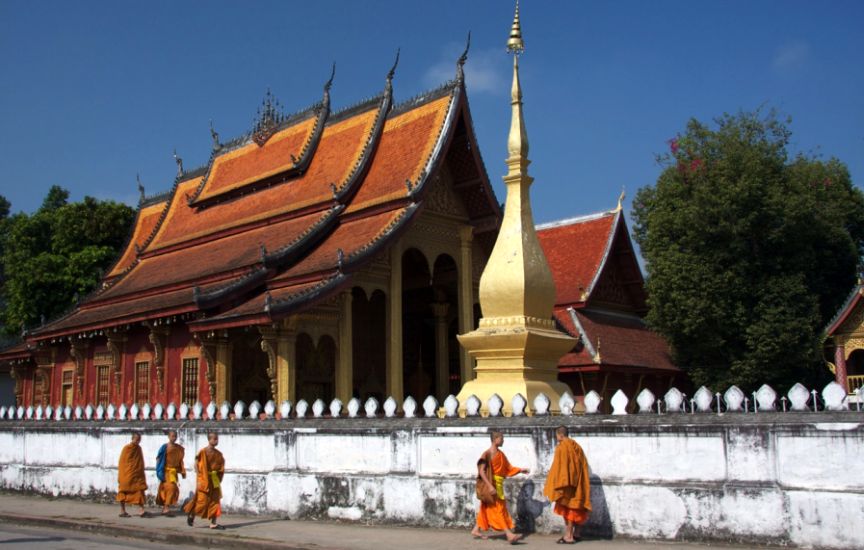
269 532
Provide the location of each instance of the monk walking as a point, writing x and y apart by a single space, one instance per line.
568 486
169 464
130 477
209 469
492 468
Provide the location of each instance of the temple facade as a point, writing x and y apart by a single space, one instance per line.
323 254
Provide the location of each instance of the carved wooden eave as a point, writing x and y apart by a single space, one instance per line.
158 337
269 344
209 344
78 350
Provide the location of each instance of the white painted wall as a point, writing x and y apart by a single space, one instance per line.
795 482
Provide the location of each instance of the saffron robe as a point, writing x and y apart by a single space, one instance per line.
567 484
208 494
495 516
169 491
131 482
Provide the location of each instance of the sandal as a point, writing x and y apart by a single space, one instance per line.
124 515
189 520
562 540
217 527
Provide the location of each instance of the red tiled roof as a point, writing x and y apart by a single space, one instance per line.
624 341
230 253
341 146
575 250
145 222
252 162
17 351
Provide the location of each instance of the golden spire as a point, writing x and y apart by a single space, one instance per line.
517 143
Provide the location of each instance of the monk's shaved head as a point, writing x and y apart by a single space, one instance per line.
561 430
213 438
493 435
136 437
172 435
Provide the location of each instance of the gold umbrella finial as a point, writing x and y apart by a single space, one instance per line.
515 43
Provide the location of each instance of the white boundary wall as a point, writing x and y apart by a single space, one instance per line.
787 479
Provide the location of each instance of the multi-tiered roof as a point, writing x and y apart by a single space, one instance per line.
283 216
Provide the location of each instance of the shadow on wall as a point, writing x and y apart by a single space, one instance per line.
528 509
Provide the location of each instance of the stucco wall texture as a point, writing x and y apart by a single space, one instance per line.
792 479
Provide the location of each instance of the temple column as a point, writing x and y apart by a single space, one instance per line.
116 340
223 369
345 365
840 366
394 326
466 299
442 354
78 352
286 366
158 338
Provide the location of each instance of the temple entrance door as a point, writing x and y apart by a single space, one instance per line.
418 326
249 380
369 330
316 368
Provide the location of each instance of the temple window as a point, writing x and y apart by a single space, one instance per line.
103 377
38 390
190 380
142 382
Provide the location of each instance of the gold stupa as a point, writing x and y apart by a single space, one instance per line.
516 346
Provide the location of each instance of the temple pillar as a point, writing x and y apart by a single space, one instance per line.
223 370
466 299
286 366
158 338
116 340
78 351
840 366
395 384
345 365
442 354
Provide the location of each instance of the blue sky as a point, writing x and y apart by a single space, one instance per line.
94 92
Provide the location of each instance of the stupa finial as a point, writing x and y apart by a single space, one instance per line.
515 44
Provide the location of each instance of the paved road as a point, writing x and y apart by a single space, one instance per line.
18 537
35 522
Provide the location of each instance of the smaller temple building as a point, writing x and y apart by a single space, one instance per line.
601 301
844 342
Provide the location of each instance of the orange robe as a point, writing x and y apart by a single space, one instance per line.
169 491
209 463
567 484
130 475
495 516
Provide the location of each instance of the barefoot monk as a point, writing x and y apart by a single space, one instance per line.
131 482
169 464
209 469
568 486
492 468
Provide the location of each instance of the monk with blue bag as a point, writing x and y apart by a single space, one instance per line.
209 469
169 465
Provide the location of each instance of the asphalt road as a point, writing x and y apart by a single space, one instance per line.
19 537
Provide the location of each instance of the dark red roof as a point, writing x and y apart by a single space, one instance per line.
621 341
576 250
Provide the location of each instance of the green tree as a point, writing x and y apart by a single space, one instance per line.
58 253
749 252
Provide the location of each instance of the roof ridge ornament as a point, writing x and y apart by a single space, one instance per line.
140 189
329 83
215 136
621 198
392 71
179 162
460 73
268 118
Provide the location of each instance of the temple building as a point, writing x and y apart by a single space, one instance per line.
844 342
334 253
601 301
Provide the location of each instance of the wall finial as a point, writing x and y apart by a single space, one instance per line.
621 198
515 44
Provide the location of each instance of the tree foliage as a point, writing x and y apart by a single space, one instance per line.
57 254
749 252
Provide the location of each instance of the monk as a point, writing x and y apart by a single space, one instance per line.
209 470
130 477
169 464
496 516
568 486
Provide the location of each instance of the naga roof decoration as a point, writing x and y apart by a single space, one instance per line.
272 226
